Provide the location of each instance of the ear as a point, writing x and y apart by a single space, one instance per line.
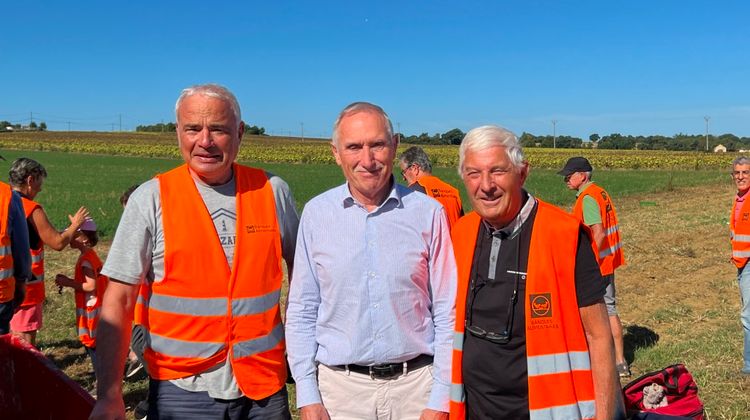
335 152
524 172
241 130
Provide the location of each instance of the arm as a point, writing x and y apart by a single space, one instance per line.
608 395
443 279
597 234
301 318
88 285
49 235
112 340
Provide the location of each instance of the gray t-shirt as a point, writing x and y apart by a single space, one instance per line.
137 253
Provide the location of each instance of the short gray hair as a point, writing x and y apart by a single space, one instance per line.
22 168
356 107
740 160
487 136
416 156
211 90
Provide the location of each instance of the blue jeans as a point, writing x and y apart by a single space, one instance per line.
167 401
743 276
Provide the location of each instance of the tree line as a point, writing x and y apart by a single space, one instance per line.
170 127
33 126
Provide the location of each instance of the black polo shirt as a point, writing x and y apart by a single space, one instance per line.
495 375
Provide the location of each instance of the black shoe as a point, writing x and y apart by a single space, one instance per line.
134 366
141 410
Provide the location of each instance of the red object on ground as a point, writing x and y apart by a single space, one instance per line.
32 387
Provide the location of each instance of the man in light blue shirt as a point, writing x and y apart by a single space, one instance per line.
369 325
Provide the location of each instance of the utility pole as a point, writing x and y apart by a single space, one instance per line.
31 117
707 118
68 125
554 134
120 115
302 129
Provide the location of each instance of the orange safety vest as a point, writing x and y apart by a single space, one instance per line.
557 358
739 234
202 312
446 195
34 287
88 303
610 255
7 281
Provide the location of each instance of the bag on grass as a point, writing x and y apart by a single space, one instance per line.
681 393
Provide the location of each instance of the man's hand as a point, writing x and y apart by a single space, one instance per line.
108 409
428 414
314 412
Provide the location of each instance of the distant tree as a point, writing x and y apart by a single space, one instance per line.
158 128
43 126
33 126
527 140
453 136
594 138
255 130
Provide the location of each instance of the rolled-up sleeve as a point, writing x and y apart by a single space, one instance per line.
19 240
301 318
443 278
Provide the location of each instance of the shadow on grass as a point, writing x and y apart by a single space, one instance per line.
637 337
64 353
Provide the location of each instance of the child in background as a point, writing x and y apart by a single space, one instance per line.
88 284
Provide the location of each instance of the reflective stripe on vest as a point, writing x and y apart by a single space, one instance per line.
87 317
557 357
35 288
7 281
739 233
203 311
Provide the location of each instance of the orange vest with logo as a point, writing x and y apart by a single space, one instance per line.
560 382
739 233
35 286
610 255
88 304
203 312
446 195
7 281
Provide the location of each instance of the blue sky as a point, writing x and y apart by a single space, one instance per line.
635 67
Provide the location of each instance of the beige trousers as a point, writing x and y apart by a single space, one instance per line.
354 396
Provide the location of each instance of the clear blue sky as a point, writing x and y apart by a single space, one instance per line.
632 67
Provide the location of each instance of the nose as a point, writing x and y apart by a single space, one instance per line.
204 138
367 159
486 182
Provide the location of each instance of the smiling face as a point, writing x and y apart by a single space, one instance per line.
741 176
494 184
209 137
365 152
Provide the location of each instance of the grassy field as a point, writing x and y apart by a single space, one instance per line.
678 296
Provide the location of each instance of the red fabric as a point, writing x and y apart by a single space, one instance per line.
681 392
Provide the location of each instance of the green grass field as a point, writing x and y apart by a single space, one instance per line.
691 318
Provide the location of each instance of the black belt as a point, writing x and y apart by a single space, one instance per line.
389 370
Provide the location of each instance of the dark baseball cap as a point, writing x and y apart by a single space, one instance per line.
576 164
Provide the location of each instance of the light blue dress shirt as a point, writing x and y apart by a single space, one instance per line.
371 288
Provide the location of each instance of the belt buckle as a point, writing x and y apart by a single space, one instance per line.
383 371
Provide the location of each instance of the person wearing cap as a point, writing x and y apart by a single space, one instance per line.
26 177
739 225
88 285
371 302
416 169
204 244
595 208
532 338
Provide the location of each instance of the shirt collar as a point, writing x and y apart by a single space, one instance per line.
347 200
583 187
514 226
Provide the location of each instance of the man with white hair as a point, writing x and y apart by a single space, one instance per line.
205 240
532 336
370 315
739 225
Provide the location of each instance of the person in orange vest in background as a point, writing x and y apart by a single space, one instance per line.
15 260
595 209
416 169
206 241
89 285
26 177
739 225
532 336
